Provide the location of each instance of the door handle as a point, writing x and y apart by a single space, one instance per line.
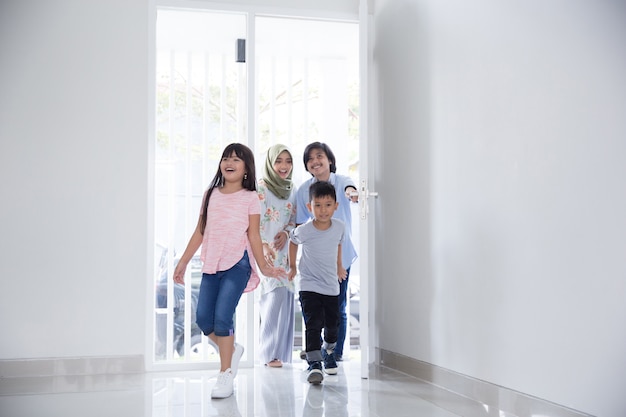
364 194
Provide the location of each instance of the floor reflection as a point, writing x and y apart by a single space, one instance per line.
259 392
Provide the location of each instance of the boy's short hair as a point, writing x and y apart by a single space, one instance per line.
322 189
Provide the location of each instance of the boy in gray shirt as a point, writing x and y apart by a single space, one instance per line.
321 271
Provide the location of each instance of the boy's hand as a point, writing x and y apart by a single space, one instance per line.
342 274
292 273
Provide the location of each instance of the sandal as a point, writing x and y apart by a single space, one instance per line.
276 363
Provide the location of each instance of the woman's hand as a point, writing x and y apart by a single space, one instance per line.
281 239
269 254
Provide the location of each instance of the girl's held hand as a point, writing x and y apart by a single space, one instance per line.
272 271
179 273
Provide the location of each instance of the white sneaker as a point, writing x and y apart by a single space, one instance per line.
224 386
237 354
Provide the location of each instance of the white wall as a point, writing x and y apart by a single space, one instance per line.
73 163
502 209
74 158
502 155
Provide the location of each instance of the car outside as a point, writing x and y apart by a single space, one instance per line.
161 297
195 271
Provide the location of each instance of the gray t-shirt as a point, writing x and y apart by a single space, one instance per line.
318 260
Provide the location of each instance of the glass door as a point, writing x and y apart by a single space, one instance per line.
307 90
201 106
299 84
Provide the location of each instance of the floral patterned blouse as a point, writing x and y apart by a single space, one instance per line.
276 215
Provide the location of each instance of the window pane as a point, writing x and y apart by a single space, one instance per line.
200 109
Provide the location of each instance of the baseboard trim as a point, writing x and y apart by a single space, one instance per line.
26 368
501 398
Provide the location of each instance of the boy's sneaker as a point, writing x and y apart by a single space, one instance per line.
330 365
315 375
224 386
237 354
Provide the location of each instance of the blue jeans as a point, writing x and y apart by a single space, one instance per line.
343 316
219 296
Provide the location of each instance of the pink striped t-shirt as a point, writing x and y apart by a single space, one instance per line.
226 234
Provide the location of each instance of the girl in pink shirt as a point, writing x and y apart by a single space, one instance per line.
228 231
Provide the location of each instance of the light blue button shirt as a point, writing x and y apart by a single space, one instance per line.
343 213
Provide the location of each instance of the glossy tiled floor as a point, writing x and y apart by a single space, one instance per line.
259 391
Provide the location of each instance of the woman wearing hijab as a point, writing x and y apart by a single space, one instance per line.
278 218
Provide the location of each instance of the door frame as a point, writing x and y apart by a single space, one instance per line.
366 149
